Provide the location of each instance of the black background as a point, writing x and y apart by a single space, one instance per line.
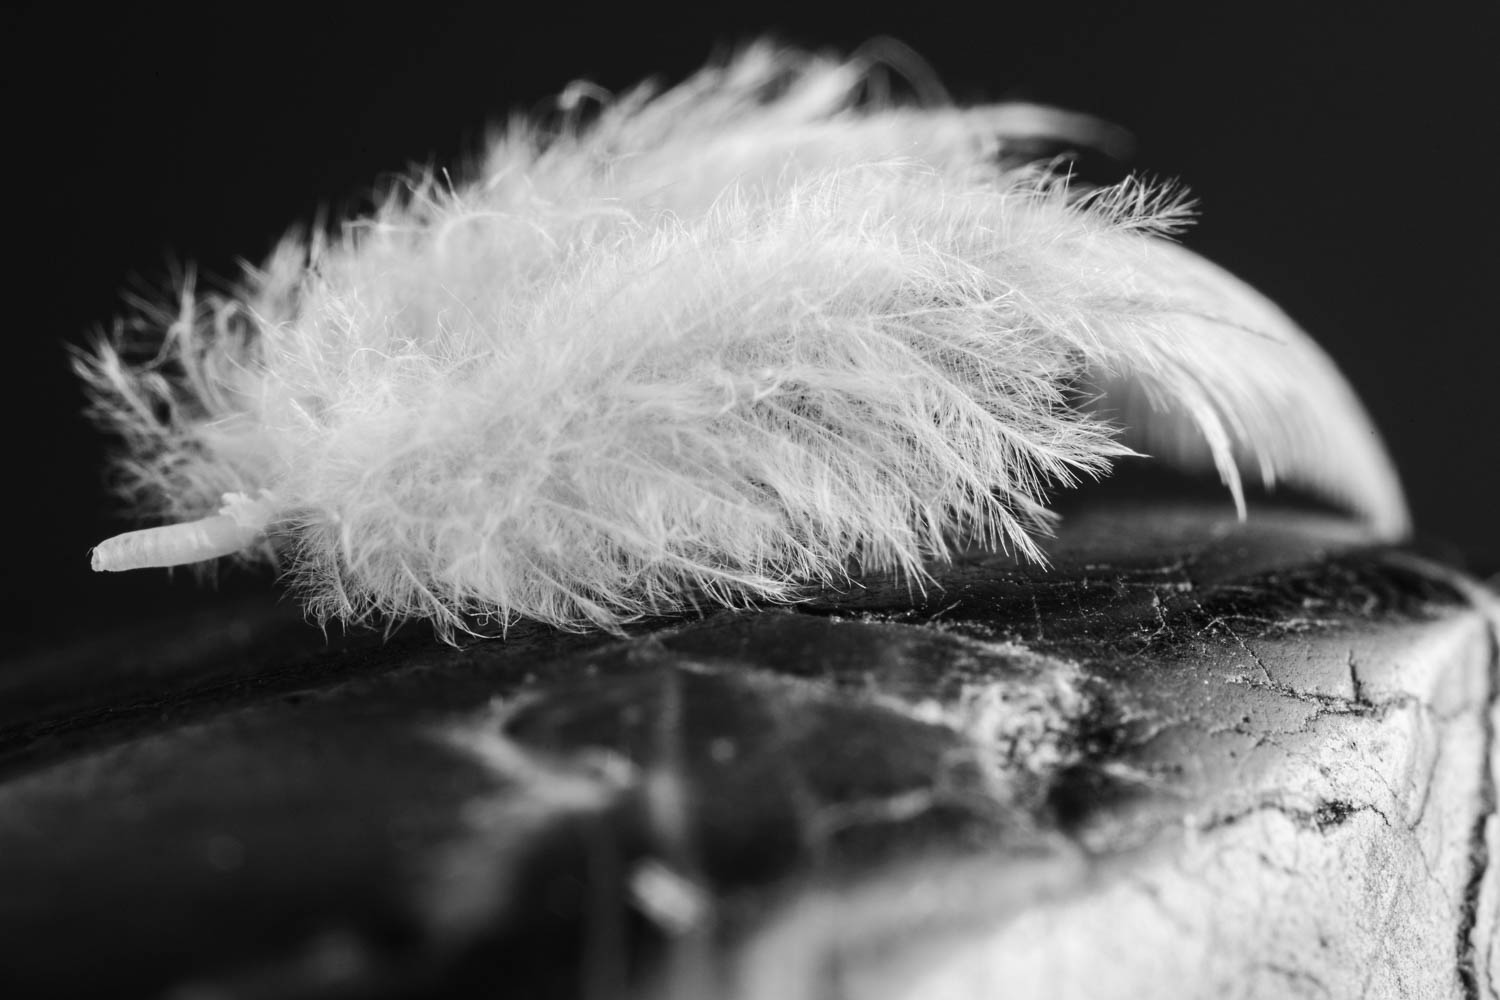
1342 156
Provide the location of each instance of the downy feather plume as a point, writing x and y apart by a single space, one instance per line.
723 342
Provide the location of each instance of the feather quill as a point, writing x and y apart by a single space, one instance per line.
723 342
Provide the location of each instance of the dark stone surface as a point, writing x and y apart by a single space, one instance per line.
245 809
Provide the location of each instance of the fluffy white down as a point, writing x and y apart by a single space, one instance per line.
725 341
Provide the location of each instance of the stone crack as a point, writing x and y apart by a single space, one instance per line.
1489 802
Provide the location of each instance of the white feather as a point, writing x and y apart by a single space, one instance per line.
724 342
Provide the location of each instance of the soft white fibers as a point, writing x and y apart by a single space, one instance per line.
724 342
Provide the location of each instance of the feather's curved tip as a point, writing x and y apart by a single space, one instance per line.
96 560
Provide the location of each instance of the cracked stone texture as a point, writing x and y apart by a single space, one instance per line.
1194 758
